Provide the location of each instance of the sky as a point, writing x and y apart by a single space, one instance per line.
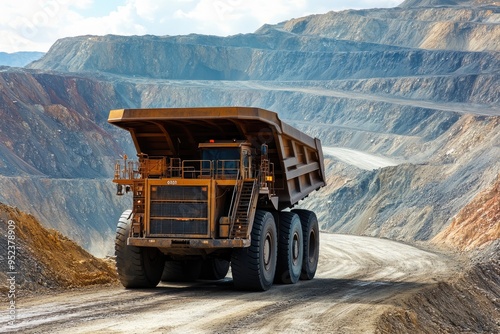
34 25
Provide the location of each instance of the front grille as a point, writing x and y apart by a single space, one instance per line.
178 227
180 193
179 210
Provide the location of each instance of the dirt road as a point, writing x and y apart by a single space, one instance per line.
462 108
357 279
359 159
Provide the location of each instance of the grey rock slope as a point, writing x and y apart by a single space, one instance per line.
469 27
348 44
417 85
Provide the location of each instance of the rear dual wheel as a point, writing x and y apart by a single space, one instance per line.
290 249
310 232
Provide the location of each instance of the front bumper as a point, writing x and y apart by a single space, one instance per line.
188 243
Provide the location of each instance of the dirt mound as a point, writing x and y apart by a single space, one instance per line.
477 224
45 259
468 304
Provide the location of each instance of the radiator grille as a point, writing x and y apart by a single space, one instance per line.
178 227
179 210
172 193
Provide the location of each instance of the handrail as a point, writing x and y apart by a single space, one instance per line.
194 171
234 200
129 171
254 193
223 171
271 183
175 167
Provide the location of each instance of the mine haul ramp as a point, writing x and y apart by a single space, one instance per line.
210 188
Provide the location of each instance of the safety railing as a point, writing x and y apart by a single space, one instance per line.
126 170
266 176
158 167
192 169
235 198
227 169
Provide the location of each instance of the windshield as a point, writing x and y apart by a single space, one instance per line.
226 160
215 154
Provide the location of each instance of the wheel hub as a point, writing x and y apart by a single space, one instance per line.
267 251
295 248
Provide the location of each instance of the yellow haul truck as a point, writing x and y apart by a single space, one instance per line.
209 189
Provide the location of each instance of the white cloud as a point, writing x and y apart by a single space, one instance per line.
32 24
234 16
36 24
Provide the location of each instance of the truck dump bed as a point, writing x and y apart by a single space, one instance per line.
177 133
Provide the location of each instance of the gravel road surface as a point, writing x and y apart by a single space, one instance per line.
357 279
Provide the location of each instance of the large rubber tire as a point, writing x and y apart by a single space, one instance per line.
310 231
254 267
137 267
181 271
214 269
290 249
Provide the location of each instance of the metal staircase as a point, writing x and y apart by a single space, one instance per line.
244 208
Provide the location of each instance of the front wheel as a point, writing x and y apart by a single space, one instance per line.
137 267
254 267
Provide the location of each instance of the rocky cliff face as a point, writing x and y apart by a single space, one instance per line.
417 85
57 153
477 224
400 41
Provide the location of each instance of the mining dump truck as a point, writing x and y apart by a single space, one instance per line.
211 189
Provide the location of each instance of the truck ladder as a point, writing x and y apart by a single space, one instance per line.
245 204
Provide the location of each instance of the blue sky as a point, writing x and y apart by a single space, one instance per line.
34 25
